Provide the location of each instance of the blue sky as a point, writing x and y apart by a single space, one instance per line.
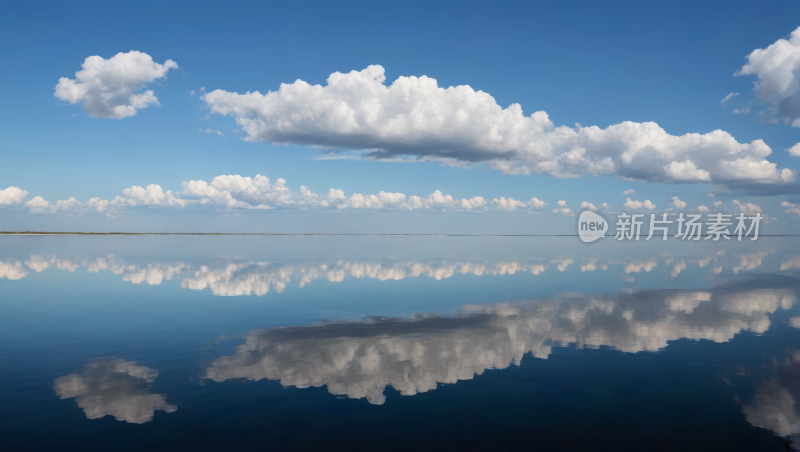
587 63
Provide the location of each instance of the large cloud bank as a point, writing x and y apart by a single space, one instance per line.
778 70
414 116
114 388
112 88
361 359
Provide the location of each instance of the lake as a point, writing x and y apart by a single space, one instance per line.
398 342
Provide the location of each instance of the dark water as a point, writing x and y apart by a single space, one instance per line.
503 343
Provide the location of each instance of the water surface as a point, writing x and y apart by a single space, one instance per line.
214 343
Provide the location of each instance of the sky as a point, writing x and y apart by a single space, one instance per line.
377 117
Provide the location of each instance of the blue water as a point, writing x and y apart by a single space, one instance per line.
365 343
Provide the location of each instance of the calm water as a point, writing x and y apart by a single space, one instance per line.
253 343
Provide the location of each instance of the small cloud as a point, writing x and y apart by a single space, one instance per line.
747 208
217 132
536 203
592 207
678 203
639 205
629 192
728 97
794 150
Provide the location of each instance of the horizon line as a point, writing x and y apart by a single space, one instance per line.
314 234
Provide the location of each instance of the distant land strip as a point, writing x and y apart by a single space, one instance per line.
313 234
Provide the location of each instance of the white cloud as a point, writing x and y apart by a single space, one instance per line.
153 196
12 196
794 150
536 203
677 202
592 207
628 192
793 209
508 204
563 209
639 205
101 205
742 111
747 208
110 88
37 205
67 204
458 125
777 68
217 132
728 97
702 209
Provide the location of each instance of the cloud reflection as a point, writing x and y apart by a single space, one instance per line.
776 404
114 388
360 359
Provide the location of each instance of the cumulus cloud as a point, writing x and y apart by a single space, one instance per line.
508 204
260 193
792 209
628 192
111 88
794 150
41 205
777 68
458 125
677 202
592 207
639 205
114 388
37 205
747 208
360 359
12 196
536 203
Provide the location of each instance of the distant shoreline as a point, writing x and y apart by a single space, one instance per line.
310 234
